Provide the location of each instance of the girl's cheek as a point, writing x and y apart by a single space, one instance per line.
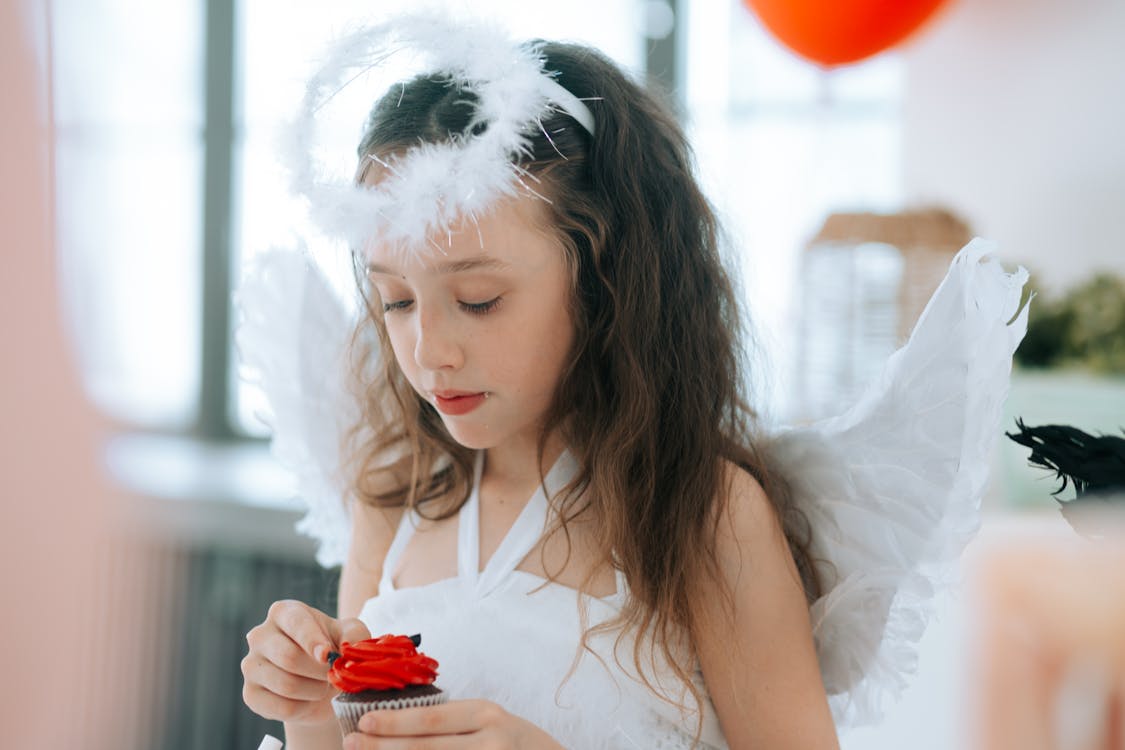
401 348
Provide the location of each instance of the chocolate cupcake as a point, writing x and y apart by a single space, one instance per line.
382 673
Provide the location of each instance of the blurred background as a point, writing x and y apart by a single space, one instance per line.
845 190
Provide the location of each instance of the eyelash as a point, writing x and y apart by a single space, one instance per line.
395 306
480 308
473 308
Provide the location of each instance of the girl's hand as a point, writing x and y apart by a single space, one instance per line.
285 673
456 725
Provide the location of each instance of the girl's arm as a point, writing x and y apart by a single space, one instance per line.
760 667
373 530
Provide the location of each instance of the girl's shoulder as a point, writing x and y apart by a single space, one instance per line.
749 531
373 531
743 501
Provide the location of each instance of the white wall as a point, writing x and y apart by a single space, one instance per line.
1015 117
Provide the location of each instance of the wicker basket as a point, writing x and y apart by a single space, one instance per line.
864 280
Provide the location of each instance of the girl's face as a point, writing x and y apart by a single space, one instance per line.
482 330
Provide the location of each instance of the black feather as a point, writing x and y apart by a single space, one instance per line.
1095 465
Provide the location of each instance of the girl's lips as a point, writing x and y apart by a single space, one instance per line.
457 402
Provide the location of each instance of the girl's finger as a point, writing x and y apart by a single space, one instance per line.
290 685
456 717
358 741
305 626
278 707
286 654
350 630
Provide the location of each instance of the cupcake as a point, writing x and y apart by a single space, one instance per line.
382 673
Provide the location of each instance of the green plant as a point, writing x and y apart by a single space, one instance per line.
1083 328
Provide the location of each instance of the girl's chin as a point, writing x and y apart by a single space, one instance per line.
474 437
473 432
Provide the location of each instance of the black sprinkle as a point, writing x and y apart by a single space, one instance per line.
332 657
417 639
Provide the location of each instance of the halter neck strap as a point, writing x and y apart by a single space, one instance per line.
525 533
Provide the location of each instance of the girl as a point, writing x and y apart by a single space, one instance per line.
555 477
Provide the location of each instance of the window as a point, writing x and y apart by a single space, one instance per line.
129 172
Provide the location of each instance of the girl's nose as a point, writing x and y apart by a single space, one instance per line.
436 345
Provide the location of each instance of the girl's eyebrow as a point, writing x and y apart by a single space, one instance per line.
480 262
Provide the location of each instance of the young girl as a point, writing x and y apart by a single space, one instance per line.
555 476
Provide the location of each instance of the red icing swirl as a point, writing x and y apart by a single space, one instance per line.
389 662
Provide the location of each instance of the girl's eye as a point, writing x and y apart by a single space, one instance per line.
393 306
480 308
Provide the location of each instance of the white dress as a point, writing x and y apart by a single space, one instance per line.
891 487
509 636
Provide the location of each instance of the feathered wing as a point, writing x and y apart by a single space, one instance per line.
293 340
892 487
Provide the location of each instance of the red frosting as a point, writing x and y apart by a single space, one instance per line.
389 662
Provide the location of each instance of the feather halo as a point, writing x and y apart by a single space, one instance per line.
431 185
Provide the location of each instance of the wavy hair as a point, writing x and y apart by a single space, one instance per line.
654 401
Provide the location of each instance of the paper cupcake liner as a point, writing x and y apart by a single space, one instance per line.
348 713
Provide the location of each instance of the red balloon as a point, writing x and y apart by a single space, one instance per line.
836 32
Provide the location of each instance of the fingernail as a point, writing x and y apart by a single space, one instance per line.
320 653
367 723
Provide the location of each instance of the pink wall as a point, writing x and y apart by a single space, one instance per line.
1015 116
67 626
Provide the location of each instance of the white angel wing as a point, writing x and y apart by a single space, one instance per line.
293 341
892 487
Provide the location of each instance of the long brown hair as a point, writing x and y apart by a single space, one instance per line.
654 403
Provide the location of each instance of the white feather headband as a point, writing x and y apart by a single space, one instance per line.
432 185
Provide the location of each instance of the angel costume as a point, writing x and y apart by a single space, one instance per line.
891 487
